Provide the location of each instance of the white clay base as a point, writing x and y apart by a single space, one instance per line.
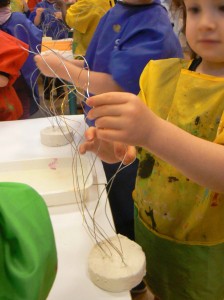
106 269
56 136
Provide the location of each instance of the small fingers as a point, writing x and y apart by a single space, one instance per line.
126 154
130 155
82 148
37 58
110 135
90 133
90 136
109 98
105 110
85 147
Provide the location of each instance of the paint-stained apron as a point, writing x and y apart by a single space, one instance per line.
179 224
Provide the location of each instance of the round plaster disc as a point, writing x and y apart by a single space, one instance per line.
113 272
55 136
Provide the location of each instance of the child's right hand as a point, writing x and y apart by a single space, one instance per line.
109 152
39 11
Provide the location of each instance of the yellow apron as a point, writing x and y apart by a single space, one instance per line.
83 17
182 222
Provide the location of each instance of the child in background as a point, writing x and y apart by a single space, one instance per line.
17 25
20 6
48 15
83 17
13 55
179 130
127 37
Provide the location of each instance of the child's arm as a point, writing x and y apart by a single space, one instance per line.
123 118
4 79
78 62
25 6
37 18
97 82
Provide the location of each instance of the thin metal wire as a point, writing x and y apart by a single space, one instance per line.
80 179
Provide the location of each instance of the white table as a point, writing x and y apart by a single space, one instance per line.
21 140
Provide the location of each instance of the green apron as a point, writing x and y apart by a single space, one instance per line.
28 259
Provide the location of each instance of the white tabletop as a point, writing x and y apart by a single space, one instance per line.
20 140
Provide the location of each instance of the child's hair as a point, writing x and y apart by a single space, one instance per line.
179 5
4 3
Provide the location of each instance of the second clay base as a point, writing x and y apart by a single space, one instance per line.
55 136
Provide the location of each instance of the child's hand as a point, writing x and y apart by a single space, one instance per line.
121 117
49 64
39 11
58 15
106 151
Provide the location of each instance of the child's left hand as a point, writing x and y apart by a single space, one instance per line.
58 15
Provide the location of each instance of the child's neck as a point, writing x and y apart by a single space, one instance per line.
211 68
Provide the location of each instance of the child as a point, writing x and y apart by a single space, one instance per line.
179 192
13 55
17 25
20 6
48 16
127 37
83 16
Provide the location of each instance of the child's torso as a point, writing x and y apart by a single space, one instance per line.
168 202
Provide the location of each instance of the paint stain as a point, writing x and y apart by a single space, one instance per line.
197 120
215 200
146 166
151 215
172 179
53 165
